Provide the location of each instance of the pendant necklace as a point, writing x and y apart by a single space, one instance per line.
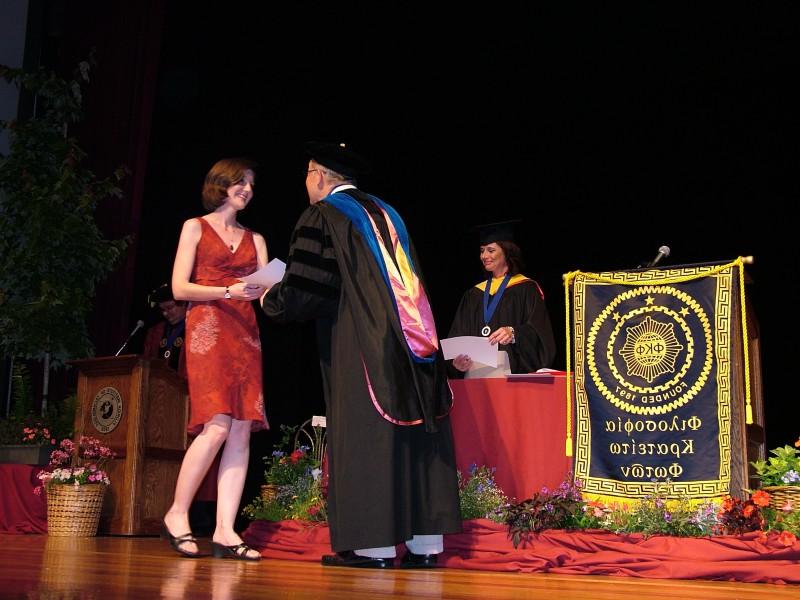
490 307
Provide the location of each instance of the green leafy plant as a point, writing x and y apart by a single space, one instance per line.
285 467
295 485
52 254
479 495
782 468
565 508
661 513
782 520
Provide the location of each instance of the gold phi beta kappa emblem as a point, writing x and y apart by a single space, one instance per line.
645 350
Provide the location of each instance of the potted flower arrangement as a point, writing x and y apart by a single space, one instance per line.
479 495
27 442
75 482
295 486
780 476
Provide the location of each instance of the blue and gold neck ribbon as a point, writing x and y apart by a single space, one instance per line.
490 307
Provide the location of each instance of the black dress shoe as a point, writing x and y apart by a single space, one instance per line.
419 561
348 558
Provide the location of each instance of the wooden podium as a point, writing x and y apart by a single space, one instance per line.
138 407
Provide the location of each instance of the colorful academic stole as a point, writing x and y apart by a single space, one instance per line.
410 301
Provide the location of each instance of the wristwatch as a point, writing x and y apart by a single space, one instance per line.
513 338
228 293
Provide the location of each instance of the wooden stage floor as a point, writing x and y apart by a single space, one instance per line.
38 566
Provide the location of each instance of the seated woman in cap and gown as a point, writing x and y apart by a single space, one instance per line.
507 307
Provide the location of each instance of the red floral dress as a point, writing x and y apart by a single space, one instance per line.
223 348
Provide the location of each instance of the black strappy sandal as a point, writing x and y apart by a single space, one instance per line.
177 541
237 552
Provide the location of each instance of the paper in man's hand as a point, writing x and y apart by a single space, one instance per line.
267 276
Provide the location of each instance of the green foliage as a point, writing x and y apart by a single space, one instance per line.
783 468
297 482
565 508
479 496
57 423
781 520
658 514
52 254
283 468
21 391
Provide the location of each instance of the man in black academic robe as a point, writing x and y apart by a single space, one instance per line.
390 447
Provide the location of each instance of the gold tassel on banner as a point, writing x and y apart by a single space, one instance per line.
568 448
748 413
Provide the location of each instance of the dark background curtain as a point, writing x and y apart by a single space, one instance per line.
608 134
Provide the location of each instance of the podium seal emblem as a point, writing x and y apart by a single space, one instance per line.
106 410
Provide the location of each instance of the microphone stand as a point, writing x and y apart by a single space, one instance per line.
139 325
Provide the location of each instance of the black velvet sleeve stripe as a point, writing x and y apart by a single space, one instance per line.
312 287
310 233
303 257
313 234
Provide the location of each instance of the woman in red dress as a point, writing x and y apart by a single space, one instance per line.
223 354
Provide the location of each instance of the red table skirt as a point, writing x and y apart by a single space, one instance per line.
484 545
21 511
517 426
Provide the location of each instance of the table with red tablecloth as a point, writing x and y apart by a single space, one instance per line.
21 511
516 425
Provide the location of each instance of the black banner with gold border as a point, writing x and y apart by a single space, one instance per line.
652 380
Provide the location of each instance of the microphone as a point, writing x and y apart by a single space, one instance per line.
663 252
139 325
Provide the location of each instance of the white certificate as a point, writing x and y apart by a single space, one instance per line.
477 348
267 276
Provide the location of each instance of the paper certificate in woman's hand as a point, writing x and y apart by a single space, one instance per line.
267 276
477 348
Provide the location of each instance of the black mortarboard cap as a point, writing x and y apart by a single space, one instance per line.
339 158
161 294
495 232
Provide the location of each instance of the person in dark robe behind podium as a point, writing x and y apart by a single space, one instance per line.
506 307
223 355
165 339
353 268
